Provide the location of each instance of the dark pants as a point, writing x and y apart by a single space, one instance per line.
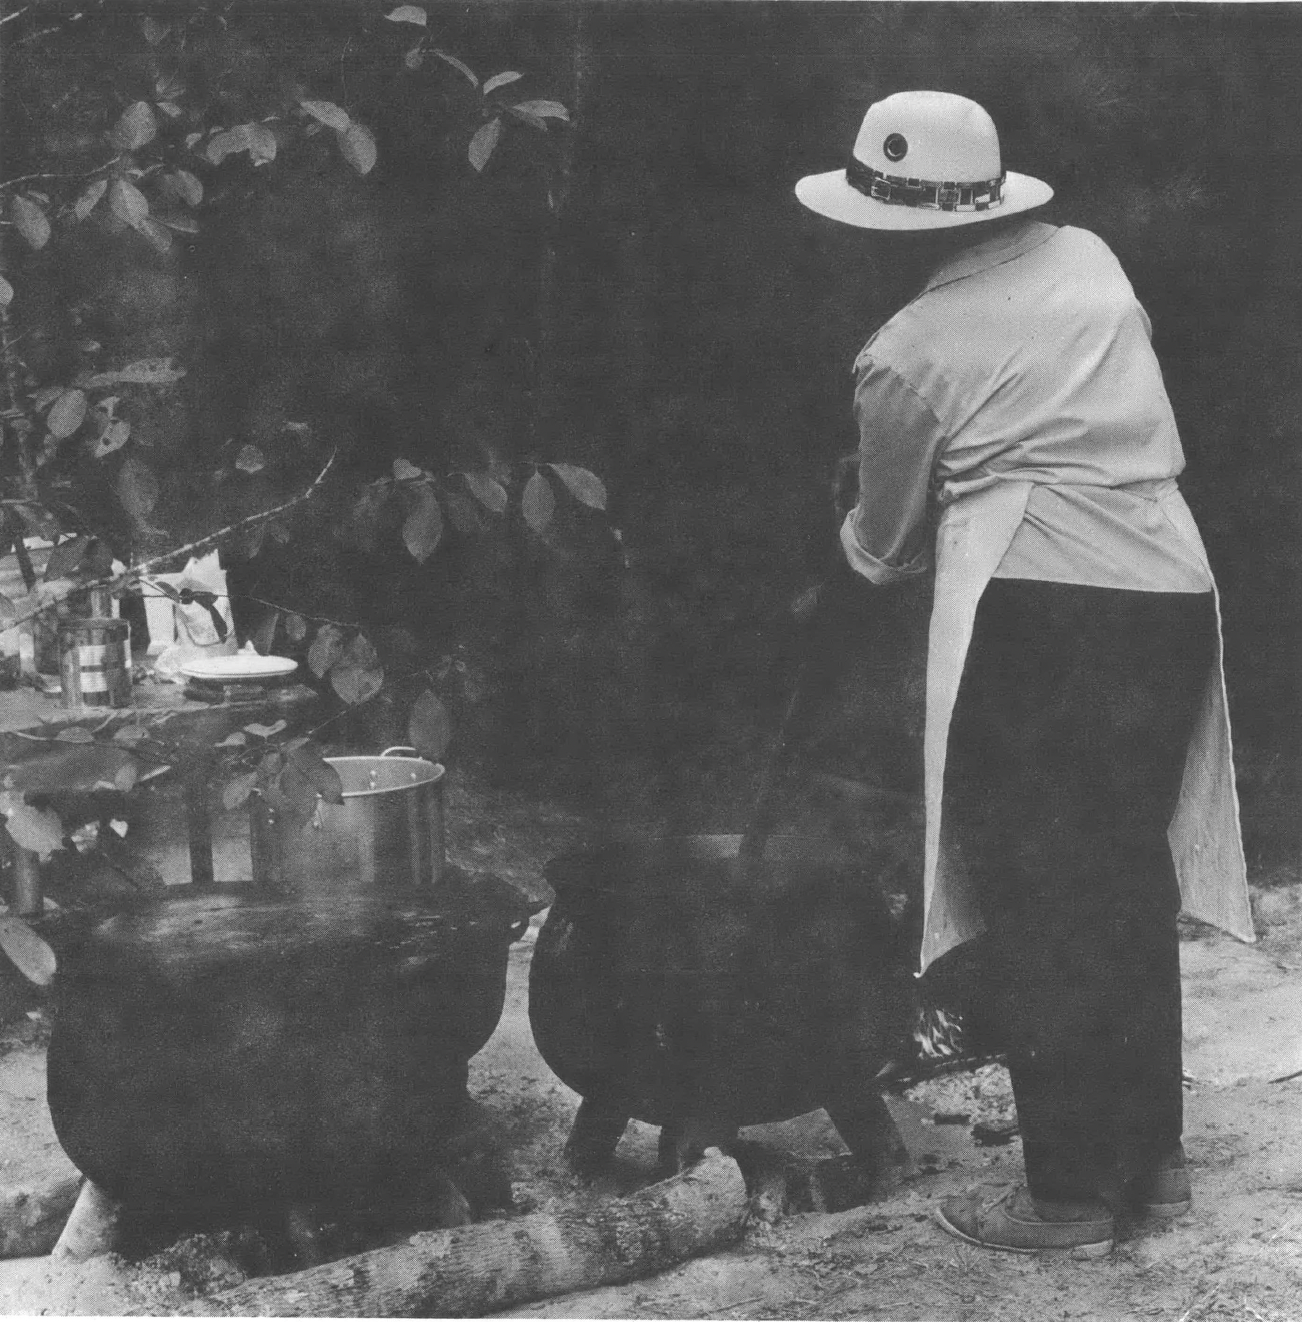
1065 758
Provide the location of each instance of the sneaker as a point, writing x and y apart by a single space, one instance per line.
1167 1192
1011 1220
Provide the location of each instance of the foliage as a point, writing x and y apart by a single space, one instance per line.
200 122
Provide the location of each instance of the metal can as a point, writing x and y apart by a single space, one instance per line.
95 662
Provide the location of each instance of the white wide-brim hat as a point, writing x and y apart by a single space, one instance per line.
923 161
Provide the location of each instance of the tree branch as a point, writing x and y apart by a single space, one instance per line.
115 582
77 174
291 610
19 417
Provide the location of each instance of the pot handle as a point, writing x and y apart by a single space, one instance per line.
406 750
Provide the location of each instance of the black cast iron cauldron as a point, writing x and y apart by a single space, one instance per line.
672 985
237 1051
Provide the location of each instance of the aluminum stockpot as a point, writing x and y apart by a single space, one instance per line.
386 835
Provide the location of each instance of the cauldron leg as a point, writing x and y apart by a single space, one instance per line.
594 1135
868 1129
682 1143
447 1204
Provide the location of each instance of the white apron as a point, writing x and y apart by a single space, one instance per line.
1206 844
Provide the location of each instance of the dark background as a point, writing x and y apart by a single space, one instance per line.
680 325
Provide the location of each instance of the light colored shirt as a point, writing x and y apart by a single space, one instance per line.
1026 358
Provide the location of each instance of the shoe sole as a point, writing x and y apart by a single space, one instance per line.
1100 1249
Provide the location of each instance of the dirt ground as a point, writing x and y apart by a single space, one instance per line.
1238 1254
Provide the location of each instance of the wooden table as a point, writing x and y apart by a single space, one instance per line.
33 760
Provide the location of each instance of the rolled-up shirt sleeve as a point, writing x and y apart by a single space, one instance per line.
884 536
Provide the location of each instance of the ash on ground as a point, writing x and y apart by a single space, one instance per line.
980 1099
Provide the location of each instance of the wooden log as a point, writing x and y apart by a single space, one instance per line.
481 1268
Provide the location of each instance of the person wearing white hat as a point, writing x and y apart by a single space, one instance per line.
1079 787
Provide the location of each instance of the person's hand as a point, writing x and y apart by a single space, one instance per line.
845 486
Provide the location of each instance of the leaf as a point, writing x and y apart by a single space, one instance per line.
67 413
457 64
423 529
31 222
186 186
501 80
137 489
323 778
7 608
6 292
46 396
170 109
429 727
237 792
66 558
125 777
153 30
482 144
543 109
89 199
265 731
488 491
583 484
128 203
136 126
130 735
327 647
158 235
357 143
538 504
182 224
414 58
356 684
236 739
534 121
250 459
408 14
38 521
295 628
265 634
405 471
262 144
113 437
327 113
143 372
364 519
30 954
168 87
35 829
358 674
75 734
293 795
226 142
361 652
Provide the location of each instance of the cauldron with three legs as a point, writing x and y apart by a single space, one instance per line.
676 984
